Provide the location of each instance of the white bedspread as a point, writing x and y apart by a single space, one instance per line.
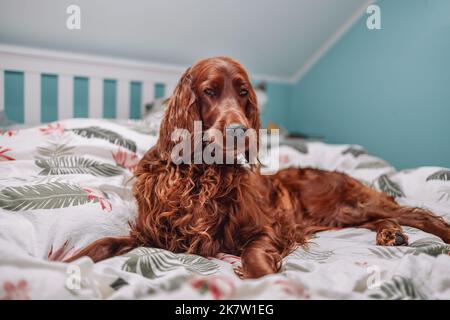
66 184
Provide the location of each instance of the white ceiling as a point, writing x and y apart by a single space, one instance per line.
270 37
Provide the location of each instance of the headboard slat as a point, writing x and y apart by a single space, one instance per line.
65 96
169 89
148 93
95 98
123 99
93 71
32 97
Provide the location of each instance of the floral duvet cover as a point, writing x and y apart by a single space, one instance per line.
66 184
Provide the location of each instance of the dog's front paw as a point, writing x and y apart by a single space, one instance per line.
239 272
392 237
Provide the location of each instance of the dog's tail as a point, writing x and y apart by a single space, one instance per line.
105 248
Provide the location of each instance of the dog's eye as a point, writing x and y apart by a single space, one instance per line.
243 92
209 92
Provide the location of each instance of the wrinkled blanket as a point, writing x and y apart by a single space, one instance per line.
66 184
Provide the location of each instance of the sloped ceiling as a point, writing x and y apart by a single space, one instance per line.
270 37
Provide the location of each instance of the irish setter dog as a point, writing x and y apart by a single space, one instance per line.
205 209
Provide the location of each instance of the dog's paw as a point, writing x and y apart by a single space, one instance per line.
239 272
392 237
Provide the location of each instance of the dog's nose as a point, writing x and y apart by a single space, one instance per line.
236 129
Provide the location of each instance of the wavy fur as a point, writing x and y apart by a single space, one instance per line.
208 209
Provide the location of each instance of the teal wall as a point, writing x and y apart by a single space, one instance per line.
14 99
49 97
135 99
14 96
278 103
80 97
159 90
387 90
109 98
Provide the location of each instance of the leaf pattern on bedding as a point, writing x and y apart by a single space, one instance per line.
118 283
354 151
300 146
410 230
390 187
154 262
388 253
168 285
430 246
55 150
444 193
311 253
443 175
51 195
399 288
105 134
76 165
372 165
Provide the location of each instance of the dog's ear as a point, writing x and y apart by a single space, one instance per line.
182 110
105 248
252 110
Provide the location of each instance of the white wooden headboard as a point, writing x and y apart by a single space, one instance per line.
38 85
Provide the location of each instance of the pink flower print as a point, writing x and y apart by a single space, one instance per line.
100 196
61 253
3 156
220 287
292 289
284 159
362 264
17 291
127 160
53 128
9 133
231 259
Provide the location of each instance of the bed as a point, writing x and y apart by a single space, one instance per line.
68 183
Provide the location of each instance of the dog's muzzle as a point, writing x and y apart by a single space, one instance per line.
235 129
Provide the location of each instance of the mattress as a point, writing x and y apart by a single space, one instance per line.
66 184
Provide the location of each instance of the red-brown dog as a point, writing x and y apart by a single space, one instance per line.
210 208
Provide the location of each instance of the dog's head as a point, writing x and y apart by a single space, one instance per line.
216 92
